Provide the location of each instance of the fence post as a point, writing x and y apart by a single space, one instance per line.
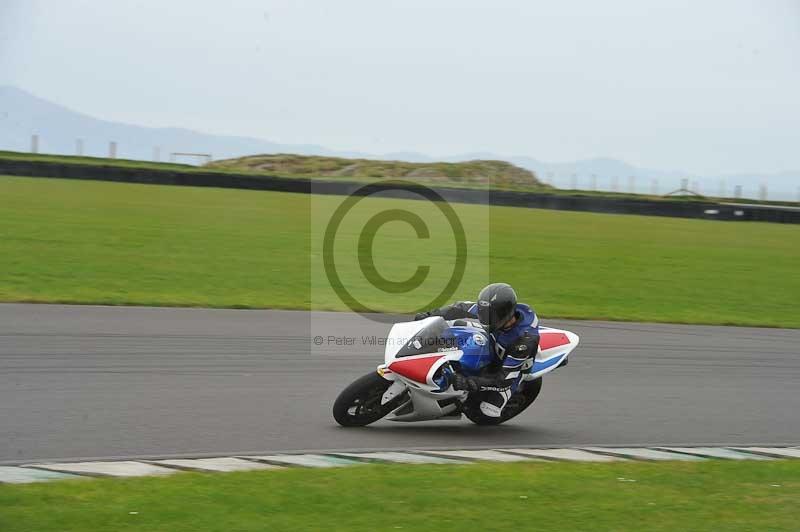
737 192
762 192
34 143
112 150
594 182
79 147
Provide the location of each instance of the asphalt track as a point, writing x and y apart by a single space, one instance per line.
90 382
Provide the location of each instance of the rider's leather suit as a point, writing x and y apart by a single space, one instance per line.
513 346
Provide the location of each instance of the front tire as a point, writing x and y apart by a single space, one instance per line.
516 404
360 403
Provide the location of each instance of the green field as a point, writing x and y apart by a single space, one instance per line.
704 496
110 243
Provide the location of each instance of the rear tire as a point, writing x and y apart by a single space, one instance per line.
360 403
516 404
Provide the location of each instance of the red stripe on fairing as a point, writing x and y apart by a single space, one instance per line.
415 369
549 340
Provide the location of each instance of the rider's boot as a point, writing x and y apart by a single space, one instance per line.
494 401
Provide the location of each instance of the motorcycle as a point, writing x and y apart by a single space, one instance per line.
413 383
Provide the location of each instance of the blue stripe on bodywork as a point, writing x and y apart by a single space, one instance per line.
538 366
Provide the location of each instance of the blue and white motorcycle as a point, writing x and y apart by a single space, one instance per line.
413 383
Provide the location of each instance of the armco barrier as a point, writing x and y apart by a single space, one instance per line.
674 208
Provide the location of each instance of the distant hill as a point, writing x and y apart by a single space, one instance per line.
23 114
478 172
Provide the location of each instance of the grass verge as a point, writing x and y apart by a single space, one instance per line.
127 244
713 495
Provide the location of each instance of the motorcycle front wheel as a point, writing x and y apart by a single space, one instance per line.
360 403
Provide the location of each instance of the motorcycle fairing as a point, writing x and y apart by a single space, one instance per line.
554 347
416 350
418 368
475 345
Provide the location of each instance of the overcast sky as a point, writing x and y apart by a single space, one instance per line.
705 86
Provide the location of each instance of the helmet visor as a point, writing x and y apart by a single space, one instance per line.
494 316
487 315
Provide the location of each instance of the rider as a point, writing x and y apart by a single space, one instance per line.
514 327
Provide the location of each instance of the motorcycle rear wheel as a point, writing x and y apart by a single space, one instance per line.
360 403
516 404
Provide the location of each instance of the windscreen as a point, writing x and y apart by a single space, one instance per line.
434 337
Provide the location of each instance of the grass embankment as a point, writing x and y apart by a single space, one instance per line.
470 174
707 496
110 243
473 175
499 174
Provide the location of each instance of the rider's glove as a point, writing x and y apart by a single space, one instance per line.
421 316
460 382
